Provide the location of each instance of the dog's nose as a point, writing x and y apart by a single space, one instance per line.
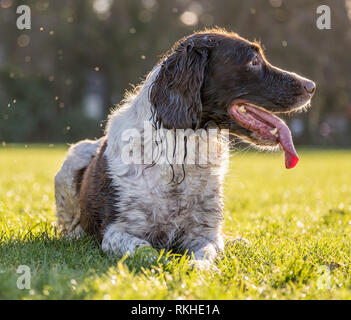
310 87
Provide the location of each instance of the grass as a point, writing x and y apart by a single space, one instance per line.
297 223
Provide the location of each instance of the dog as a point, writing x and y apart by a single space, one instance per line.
210 79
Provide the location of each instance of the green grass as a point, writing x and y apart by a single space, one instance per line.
295 221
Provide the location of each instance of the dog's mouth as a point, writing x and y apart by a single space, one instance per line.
267 127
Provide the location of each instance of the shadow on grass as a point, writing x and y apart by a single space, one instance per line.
46 250
57 264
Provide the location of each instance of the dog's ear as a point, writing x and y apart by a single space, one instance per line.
176 92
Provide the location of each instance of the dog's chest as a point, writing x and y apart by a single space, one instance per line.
156 209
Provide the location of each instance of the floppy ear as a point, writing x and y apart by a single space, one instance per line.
175 94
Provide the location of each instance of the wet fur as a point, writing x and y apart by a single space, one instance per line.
126 206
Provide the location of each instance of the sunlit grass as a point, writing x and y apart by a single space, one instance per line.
294 221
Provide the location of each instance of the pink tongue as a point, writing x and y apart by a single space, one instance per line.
285 138
291 160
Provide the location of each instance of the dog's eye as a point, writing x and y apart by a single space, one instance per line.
254 61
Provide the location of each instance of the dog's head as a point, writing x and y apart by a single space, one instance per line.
218 77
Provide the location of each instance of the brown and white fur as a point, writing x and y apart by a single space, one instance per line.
150 210
126 206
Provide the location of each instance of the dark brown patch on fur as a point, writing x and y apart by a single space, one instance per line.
205 72
175 94
97 196
79 179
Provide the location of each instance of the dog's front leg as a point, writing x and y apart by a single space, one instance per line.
121 242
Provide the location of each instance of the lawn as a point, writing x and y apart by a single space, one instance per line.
297 224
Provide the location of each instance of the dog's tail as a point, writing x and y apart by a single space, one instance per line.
67 185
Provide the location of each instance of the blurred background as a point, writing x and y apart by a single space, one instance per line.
59 80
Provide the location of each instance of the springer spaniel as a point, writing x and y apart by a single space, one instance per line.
210 79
